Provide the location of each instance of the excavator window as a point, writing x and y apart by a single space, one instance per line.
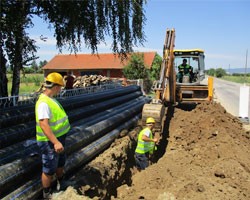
193 61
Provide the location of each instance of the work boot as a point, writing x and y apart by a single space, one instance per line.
60 183
47 194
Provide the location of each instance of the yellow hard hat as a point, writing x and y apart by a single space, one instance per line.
56 78
150 120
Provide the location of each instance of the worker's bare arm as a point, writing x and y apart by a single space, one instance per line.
147 139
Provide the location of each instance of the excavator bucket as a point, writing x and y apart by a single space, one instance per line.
157 111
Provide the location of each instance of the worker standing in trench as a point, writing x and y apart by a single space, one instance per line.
145 145
52 125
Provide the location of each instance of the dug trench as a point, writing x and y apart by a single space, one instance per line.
203 154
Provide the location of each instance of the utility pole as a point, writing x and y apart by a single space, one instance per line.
246 66
246 60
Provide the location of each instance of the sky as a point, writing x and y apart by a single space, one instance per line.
220 27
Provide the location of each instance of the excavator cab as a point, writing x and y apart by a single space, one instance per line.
195 59
191 88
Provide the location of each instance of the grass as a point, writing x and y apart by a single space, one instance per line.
28 83
237 79
32 82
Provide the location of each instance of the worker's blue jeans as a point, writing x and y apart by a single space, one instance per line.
142 160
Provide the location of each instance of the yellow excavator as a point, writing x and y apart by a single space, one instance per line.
171 91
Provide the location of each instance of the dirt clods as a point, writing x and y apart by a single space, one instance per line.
204 154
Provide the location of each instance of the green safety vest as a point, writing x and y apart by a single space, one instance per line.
142 146
185 68
59 122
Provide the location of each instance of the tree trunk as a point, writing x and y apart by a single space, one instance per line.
16 79
17 66
3 77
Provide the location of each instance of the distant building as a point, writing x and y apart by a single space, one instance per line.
106 64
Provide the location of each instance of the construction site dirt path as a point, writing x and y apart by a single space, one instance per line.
204 155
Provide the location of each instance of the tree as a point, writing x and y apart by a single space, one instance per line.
41 64
220 72
16 46
211 72
34 66
156 68
75 23
136 68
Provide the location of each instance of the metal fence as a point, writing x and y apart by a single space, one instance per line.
24 99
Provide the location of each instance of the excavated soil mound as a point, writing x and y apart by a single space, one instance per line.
203 154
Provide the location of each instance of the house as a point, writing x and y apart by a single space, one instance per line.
106 64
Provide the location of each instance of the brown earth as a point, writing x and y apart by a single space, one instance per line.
204 154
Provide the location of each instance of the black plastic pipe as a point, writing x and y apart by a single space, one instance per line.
22 114
32 188
14 134
11 172
29 147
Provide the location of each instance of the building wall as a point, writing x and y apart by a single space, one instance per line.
112 73
62 72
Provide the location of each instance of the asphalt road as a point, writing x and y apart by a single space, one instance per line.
228 94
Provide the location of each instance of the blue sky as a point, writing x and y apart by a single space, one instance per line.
220 27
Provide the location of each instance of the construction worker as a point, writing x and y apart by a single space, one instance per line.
145 145
69 81
184 70
52 125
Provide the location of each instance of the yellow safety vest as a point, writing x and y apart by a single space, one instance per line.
59 122
142 146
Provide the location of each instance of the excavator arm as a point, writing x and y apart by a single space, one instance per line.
166 86
165 89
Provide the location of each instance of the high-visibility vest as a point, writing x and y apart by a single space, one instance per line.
185 68
59 122
142 146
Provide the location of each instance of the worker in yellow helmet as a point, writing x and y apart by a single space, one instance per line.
145 145
52 125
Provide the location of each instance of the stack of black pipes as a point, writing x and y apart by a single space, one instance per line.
96 120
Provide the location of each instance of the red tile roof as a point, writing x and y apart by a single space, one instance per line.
93 61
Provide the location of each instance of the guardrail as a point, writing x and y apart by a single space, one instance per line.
24 99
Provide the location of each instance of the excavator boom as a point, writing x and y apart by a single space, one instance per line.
165 89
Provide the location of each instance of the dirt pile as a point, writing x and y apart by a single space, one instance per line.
204 154
207 157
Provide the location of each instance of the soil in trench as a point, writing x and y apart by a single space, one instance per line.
203 154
